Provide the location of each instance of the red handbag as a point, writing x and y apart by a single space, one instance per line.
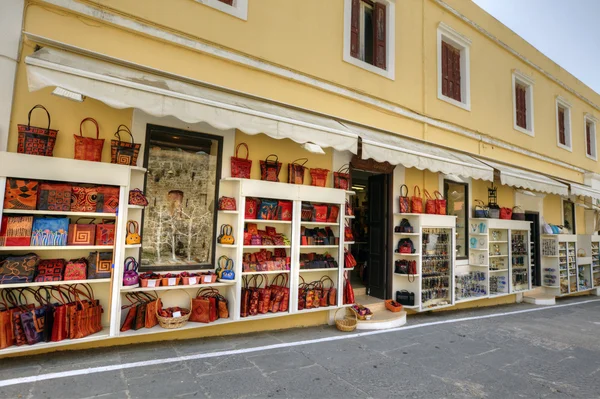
241 167
320 213
404 200
348 291
318 177
506 213
440 203
50 270
269 168
284 210
82 234
296 171
88 148
416 202
227 204
334 211
430 204
349 260
84 199
341 178
108 199
76 269
251 210
105 233
20 194
36 140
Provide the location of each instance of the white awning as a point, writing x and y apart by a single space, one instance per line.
582 190
515 177
126 85
386 147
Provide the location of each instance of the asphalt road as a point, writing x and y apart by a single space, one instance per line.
551 353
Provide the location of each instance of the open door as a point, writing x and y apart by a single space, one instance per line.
378 198
536 272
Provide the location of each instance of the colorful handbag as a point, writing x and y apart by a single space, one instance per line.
429 204
318 177
99 265
296 171
54 197
130 274
76 269
333 212
20 194
133 233
404 200
319 213
284 210
82 234
88 148
506 213
341 178
241 167
348 291
18 269
36 140
416 202
251 210
50 270
107 200
269 168
137 197
16 231
267 209
518 213
84 199
226 236
105 233
227 204
440 203
123 152
49 232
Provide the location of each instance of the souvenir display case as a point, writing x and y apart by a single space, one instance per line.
560 264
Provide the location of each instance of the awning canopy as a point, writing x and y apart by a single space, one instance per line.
385 147
582 190
126 85
515 177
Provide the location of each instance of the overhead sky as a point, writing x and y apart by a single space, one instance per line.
566 31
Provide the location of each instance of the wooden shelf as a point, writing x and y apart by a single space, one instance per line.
266 246
498 271
189 325
51 283
175 287
133 246
135 207
259 221
318 246
319 224
265 272
407 275
45 345
326 269
95 215
407 234
413 255
227 245
498 256
59 248
229 212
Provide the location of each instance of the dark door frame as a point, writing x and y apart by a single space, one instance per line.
538 258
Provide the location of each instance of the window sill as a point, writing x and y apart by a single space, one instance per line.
240 10
564 147
389 74
466 107
593 158
524 131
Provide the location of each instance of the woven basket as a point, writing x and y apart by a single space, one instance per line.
175 322
392 308
347 324
361 317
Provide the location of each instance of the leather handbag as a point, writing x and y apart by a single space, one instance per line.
84 199
49 231
76 269
16 269
441 205
124 152
105 233
348 291
296 171
430 204
16 231
50 270
131 312
54 197
251 209
318 177
284 210
130 274
107 199
264 298
416 202
518 213
245 297
99 265
154 303
405 298
137 197
88 148
329 297
332 213
404 200
227 204
241 167
133 233
60 326
506 213
341 178
36 140
6 328
480 211
225 268
269 168
20 194
82 234
226 236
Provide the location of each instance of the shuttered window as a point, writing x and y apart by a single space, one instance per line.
368 32
228 2
451 72
588 139
521 105
562 137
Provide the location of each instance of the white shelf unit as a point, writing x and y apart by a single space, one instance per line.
595 254
588 261
427 227
559 261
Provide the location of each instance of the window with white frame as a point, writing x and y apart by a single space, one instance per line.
369 35
563 124
590 137
453 54
236 8
522 86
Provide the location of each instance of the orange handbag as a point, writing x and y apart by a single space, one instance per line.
416 202
88 148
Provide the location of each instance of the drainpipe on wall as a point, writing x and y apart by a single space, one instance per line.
11 23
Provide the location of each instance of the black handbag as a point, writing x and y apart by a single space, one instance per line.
405 298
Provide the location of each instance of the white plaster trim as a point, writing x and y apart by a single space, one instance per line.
587 118
186 42
452 37
469 182
390 40
560 101
519 77
239 9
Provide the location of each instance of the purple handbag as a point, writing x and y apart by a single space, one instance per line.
130 275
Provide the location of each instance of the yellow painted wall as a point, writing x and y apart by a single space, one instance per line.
580 219
506 196
553 209
423 179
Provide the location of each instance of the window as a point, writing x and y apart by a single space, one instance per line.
453 67
590 137
369 35
457 195
569 216
182 183
522 102
236 8
563 124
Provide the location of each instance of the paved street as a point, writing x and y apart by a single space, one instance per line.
552 353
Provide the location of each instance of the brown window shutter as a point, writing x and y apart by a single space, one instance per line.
456 71
521 105
445 74
355 29
228 2
561 127
588 138
451 72
379 36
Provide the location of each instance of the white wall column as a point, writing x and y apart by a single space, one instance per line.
11 22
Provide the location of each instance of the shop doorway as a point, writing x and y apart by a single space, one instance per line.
534 240
371 226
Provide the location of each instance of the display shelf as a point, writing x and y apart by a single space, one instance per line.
478 249
266 315
318 246
324 269
498 271
188 326
133 246
229 212
135 207
262 221
407 234
267 246
58 248
498 242
95 215
227 246
470 299
407 275
52 283
103 334
498 256
319 224
350 217
349 192
349 242
319 309
411 255
478 234
175 287
265 272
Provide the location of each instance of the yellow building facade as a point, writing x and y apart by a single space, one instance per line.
297 55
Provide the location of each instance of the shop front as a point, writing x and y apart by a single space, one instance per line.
256 212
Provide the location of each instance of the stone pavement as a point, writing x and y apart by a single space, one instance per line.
554 353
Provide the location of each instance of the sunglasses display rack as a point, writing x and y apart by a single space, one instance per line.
595 252
563 272
520 260
436 267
